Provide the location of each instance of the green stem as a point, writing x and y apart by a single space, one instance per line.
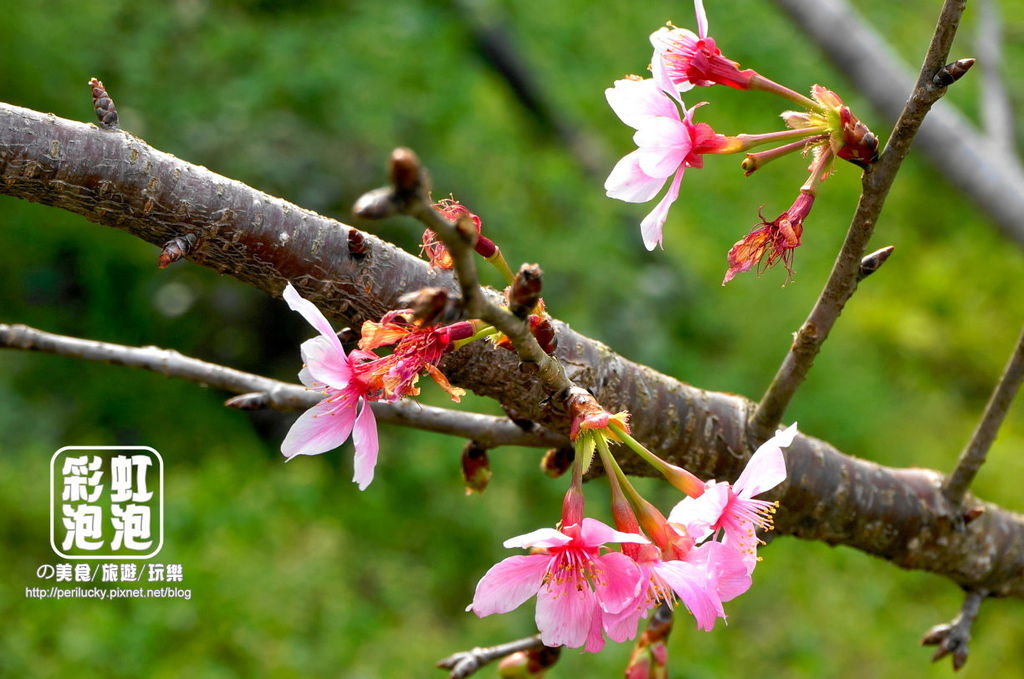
613 468
743 142
677 476
497 260
486 331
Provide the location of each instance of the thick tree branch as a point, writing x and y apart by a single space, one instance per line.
974 454
989 174
487 430
115 179
875 184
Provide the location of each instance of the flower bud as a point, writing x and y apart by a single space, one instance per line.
405 171
525 292
476 468
557 461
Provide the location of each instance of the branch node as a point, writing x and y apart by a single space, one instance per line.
952 72
873 262
176 248
376 204
464 663
952 637
103 105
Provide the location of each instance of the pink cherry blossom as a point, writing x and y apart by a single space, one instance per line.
667 144
731 508
682 59
574 583
329 423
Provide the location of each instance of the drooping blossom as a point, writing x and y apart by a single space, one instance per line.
574 583
771 241
435 250
343 380
417 348
667 144
683 59
732 509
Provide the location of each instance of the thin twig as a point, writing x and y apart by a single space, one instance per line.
996 107
990 175
973 456
842 282
464 663
488 430
952 637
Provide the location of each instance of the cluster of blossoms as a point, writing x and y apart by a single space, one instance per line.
669 141
701 555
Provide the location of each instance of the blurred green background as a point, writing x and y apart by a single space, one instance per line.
294 572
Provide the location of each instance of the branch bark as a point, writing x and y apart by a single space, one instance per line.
487 430
990 175
113 178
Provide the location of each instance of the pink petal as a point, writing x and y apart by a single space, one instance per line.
692 585
663 145
542 537
652 225
307 379
637 101
617 582
364 437
627 182
565 612
509 583
702 18
593 533
323 427
700 514
662 39
622 626
767 467
595 639
727 566
326 362
312 315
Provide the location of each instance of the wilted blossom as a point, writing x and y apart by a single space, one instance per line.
435 250
682 59
667 144
574 583
771 242
731 509
343 380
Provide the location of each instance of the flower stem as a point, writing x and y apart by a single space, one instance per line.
819 170
677 476
485 331
759 82
755 161
651 520
743 142
497 260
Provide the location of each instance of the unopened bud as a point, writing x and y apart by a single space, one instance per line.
432 306
103 105
950 73
405 171
557 461
544 332
525 292
175 249
476 468
858 144
357 248
873 262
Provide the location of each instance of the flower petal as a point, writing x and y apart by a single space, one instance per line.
593 533
767 467
695 589
618 581
701 514
542 537
323 427
312 315
702 18
565 611
637 101
627 182
364 436
653 224
509 583
663 145
727 566
595 639
326 362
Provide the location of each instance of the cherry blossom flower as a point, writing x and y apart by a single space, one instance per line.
573 582
683 59
341 378
732 508
667 144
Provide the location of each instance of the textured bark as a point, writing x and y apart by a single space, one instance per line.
113 178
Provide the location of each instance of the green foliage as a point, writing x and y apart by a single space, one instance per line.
296 573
